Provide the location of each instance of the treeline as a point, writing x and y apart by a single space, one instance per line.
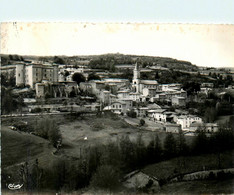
108 62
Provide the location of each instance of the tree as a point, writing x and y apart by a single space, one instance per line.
142 122
8 104
210 114
169 146
140 151
78 77
156 75
127 152
154 150
48 129
182 147
132 114
201 142
106 177
58 60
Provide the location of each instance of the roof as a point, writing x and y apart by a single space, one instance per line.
129 175
119 101
172 125
196 124
154 106
157 111
122 91
149 82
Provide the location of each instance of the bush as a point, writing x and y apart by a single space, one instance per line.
36 110
132 114
106 177
142 122
48 129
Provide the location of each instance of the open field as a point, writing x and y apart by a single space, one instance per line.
18 147
78 133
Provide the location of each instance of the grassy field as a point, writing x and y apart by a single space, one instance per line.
18 147
78 133
199 187
189 164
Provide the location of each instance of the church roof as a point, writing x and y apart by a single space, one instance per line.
149 82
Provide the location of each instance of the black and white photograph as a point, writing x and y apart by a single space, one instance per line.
117 108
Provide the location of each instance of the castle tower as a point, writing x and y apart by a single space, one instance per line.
55 73
20 74
136 78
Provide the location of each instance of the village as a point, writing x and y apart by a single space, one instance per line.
89 106
56 92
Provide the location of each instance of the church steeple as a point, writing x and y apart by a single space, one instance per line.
136 73
136 77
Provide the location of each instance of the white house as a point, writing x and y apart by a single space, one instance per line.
158 115
186 120
118 107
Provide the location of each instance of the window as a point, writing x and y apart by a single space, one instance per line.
19 74
113 106
119 106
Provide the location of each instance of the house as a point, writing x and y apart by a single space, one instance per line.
178 101
118 82
150 92
207 85
158 115
118 107
122 94
173 128
186 120
207 127
135 96
169 87
138 180
129 102
104 96
141 112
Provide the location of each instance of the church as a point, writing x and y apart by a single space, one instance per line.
138 85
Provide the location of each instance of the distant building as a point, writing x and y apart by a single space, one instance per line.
186 120
118 107
178 101
53 90
30 74
169 87
158 115
207 127
173 128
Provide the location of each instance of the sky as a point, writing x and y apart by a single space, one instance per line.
199 31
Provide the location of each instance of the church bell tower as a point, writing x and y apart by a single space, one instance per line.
136 78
